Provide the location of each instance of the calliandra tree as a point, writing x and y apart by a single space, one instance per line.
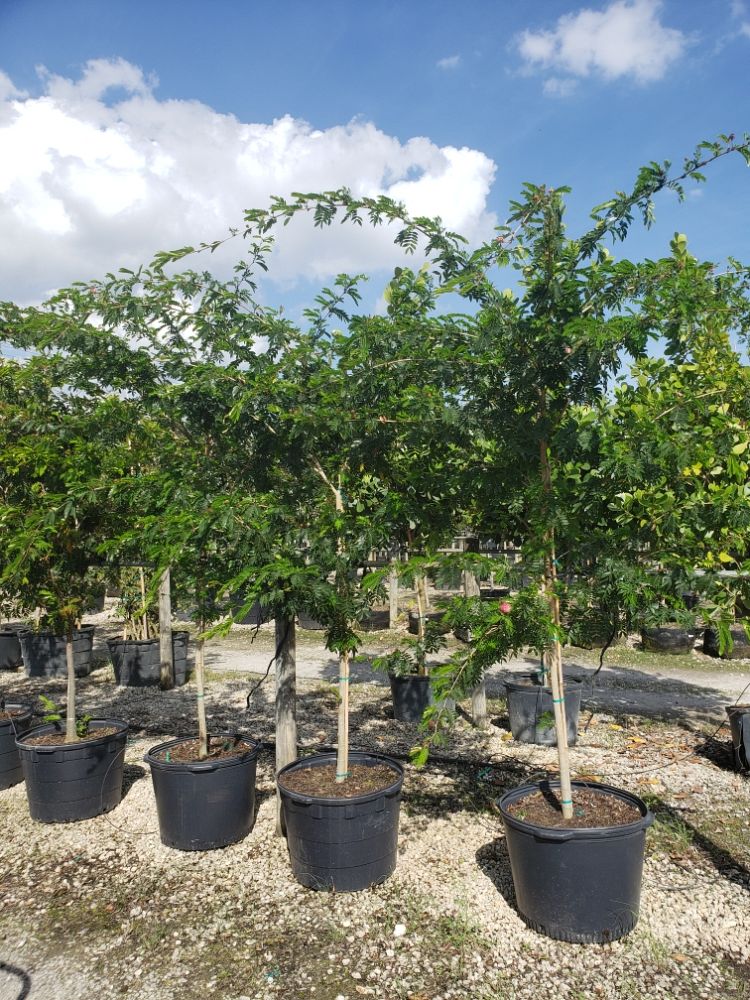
57 450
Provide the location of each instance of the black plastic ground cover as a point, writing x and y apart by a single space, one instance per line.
10 763
579 885
10 650
44 652
411 696
344 845
531 711
137 662
204 805
67 782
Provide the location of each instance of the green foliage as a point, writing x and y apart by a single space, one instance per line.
54 715
411 656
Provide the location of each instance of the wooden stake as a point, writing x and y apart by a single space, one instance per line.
143 602
166 653
200 694
286 705
71 735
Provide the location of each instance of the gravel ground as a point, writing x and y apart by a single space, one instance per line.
102 908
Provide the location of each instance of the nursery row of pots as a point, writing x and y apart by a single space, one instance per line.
136 662
338 843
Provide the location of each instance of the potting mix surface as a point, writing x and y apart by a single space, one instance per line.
590 809
58 739
188 752
10 713
321 780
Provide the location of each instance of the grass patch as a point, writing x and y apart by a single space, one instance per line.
625 656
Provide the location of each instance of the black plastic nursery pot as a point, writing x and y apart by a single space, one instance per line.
434 618
207 804
137 662
10 763
739 723
411 696
10 650
740 644
342 844
531 711
307 621
669 639
67 782
580 885
44 652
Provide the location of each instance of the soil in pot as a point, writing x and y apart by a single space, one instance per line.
44 652
531 710
739 723
15 719
137 662
669 639
576 881
338 840
411 696
10 650
206 804
740 644
66 782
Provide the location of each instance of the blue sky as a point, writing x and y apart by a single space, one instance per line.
127 126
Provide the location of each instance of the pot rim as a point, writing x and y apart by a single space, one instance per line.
318 760
517 685
28 630
562 834
22 715
52 727
202 765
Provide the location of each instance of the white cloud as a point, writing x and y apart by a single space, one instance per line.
88 185
625 39
556 86
739 13
450 62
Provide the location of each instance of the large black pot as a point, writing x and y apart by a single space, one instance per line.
435 618
342 844
411 696
66 782
10 650
580 885
10 764
740 644
206 804
531 711
739 723
307 621
137 662
669 639
44 652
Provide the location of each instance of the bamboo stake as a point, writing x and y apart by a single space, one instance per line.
166 652
143 602
393 596
71 735
200 682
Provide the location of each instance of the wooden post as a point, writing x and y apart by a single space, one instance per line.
286 704
166 655
393 596
472 589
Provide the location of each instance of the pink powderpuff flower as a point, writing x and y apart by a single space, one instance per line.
504 607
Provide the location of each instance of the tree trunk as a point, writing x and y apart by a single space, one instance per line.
554 657
286 709
479 694
144 619
166 653
71 736
393 596
342 755
200 683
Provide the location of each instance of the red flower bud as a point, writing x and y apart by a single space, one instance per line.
504 607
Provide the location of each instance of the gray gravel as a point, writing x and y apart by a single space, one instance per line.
102 908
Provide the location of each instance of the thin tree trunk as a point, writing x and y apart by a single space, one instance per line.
200 695
286 703
554 658
144 619
342 755
166 652
71 736
479 694
393 596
